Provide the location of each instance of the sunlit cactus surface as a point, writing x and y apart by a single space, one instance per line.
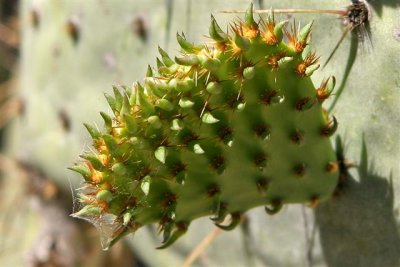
225 126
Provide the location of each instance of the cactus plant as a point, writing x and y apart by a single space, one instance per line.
58 74
169 153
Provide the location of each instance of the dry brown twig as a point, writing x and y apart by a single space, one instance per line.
201 247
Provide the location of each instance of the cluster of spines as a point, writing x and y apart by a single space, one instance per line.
153 123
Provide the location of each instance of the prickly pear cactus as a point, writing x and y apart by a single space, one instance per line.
222 128
72 51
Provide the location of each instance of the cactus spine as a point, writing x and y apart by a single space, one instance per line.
222 128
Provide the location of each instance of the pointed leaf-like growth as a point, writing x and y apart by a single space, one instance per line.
274 208
130 124
165 104
149 72
249 27
310 70
145 184
95 161
330 128
221 213
110 143
278 30
146 106
82 170
297 41
214 88
248 17
186 103
107 120
186 46
112 103
235 220
187 60
181 230
88 211
208 118
208 63
161 153
326 89
249 73
159 63
165 57
242 43
216 33
104 195
94 132
155 121
118 99
305 32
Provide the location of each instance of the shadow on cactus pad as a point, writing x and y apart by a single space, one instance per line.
378 5
358 227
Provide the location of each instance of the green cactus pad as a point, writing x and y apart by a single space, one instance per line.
223 128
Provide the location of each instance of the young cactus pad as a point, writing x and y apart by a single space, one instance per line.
223 128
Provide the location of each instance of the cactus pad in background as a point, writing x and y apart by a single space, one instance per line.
223 128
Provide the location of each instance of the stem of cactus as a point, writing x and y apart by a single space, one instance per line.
223 128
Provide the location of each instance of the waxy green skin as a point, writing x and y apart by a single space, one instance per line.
217 131
74 79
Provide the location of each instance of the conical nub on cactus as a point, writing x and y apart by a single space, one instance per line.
220 129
